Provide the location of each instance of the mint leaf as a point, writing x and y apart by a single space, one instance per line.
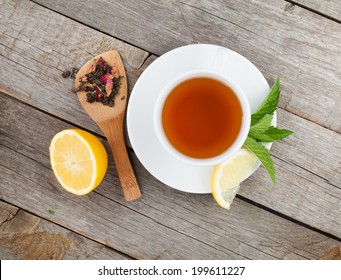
264 156
261 126
273 134
269 105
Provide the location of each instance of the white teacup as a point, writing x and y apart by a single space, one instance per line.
245 122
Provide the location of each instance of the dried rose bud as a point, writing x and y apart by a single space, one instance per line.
108 86
106 77
115 71
101 62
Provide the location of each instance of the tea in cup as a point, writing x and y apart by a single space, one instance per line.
202 117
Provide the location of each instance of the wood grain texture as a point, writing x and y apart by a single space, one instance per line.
304 48
308 161
38 49
110 120
37 44
113 130
330 8
28 237
163 224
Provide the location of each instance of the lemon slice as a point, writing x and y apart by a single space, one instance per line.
227 176
79 160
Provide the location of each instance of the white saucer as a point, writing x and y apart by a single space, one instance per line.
148 149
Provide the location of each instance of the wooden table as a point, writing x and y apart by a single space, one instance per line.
299 219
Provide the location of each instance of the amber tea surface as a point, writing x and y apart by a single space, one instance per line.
201 117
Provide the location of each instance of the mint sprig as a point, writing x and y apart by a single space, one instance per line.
261 130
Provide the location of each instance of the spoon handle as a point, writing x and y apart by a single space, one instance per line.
113 130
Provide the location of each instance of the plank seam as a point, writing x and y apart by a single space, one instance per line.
304 55
89 26
226 234
54 116
62 226
309 120
182 233
249 245
289 218
117 202
309 171
313 11
11 217
12 96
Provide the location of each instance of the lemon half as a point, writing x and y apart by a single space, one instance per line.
227 176
79 160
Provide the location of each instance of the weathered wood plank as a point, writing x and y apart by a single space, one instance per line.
164 224
330 8
25 236
279 38
44 44
100 218
312 148
313 154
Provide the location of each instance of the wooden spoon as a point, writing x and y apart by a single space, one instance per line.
110 120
